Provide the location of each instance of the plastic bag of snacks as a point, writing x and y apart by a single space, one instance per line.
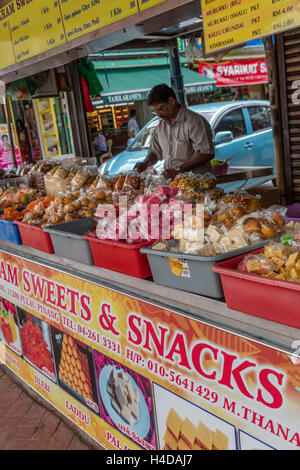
256 264
278 260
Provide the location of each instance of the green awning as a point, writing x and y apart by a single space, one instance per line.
129 84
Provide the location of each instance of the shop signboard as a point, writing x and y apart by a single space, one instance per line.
31 27
227 23
134 375
6 152
125 97
236 72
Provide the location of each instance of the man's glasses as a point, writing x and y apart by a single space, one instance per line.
159 109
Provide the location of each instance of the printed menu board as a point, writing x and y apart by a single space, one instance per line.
8 58
134 375
230 22
31 27
36 28
82 16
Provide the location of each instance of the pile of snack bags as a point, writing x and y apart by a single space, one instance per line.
278 260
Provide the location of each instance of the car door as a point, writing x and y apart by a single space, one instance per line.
240 148
262 134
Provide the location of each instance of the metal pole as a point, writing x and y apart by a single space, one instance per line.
9 123
176 75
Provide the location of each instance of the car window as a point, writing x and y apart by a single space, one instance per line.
260 117
144 137
233 121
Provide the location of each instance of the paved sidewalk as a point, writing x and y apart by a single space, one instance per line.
26 425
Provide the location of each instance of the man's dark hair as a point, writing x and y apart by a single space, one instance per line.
132 113
160 94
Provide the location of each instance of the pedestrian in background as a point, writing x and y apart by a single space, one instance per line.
133 127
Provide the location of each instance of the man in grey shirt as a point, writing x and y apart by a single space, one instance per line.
183 139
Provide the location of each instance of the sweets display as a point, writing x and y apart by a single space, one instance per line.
124 396
182 434
143 220
194 188
280 260
74 369
7 321
64 208
17 197
35 347
220 227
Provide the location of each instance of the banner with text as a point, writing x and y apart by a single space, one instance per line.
236 72
133 375
227 23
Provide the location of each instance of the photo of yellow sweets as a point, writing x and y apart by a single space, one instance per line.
182 434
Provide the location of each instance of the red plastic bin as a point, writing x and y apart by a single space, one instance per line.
272 299
35 237
120 257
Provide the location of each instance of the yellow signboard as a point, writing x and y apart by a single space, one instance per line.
82 17
7 58
231 22
35 28
31 27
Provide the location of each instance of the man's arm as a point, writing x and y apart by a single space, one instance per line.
150 160
153 156
198 159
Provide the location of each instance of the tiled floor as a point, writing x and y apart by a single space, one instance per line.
27 425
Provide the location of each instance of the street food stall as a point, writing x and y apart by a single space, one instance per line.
146 329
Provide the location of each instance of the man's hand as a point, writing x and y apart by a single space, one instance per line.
170 174
140 167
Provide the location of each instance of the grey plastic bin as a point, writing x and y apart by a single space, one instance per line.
67 240
198 276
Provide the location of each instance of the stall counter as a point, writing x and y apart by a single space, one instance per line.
118 355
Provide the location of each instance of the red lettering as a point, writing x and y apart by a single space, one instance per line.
181 351
38 286
159 343
73 297
85 311
295 439
229 372
2 271
51 293
26 283
137 339
61 300
269 387
196 358
13 275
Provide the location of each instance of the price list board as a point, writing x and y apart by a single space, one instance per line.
7 51
81 17
227 23
31 27
36 28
